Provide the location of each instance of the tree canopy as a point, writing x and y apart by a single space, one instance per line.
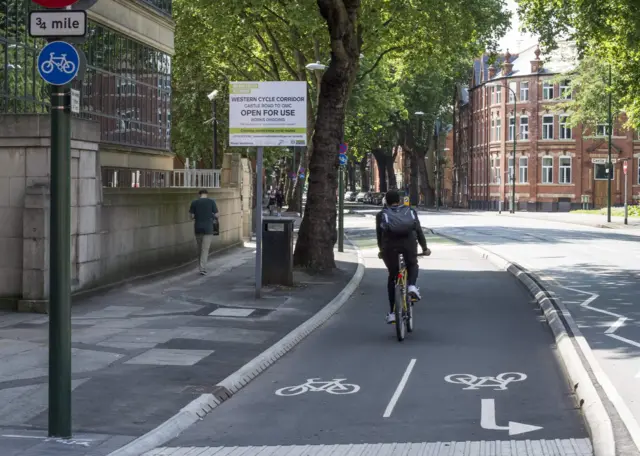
605 31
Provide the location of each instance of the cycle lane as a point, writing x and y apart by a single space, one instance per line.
473 320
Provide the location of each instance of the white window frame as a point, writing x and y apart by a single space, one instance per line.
512 127
493 129
495 171
513 86
595 174
547 128
564 176
498 129
523 170
499 94
524 132
524 91
602 129
565 90
564 131
638 169
492 94
547 90
547 170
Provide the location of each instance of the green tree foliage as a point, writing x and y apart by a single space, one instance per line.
604 30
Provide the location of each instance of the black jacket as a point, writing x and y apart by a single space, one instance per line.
386 240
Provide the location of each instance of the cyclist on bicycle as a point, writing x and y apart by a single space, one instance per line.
398 229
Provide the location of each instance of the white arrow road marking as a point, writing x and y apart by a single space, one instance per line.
488 420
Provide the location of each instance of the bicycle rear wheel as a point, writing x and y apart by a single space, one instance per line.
409 320
398 310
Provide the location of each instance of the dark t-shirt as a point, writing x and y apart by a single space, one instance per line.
203 210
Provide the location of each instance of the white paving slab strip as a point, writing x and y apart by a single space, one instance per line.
557 447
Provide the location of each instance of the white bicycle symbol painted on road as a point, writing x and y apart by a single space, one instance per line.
315 385
61 63
498 382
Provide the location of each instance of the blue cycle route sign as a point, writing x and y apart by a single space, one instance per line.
58 63
343 159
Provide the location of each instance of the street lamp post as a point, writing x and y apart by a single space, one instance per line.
437 163
609 165
512 176
212 98
419 114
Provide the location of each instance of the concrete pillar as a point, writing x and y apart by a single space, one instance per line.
35 250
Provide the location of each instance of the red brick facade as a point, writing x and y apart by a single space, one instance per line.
556 168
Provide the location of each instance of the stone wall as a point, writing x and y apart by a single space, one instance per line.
116 233
144 230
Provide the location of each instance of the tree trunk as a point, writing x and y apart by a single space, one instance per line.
317 234
381 160
351 174
414 191
305 153
425 188
391 174
364 175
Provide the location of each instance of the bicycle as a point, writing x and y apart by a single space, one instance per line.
61 63
404 312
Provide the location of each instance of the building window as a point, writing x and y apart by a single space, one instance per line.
600 172
512 127
547 90
524 127
638 171
499 94
565 170
602 130
495 171
162 5
493 130
513 87
498 129
524 170
126 87
492 93
565 131
524 91
511 171
547 127
565 90
547 170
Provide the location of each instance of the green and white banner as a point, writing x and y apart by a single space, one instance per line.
268 113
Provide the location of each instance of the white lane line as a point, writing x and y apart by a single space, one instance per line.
625 340
618 324
399 389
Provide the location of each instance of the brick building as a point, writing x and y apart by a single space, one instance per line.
557 168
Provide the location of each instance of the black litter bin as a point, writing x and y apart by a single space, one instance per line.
277 251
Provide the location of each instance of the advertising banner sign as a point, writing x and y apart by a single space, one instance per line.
268 114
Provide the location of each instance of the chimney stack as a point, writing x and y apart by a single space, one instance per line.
507 66
536 64
492 71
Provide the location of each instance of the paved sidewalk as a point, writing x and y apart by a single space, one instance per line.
143 351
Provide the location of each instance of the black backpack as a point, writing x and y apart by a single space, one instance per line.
398 221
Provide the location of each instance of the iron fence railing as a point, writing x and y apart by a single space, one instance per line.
149 178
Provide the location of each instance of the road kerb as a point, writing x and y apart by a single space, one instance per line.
596 416
197 409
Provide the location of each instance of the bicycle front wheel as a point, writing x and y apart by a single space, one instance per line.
399 312
409 318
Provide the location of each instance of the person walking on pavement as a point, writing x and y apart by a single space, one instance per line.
203 213
398 231
279 201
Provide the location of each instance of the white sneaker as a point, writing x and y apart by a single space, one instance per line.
413 292
391 318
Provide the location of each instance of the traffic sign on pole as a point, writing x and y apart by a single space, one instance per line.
343 159
55 3
343 148
52 24
624 167
58 63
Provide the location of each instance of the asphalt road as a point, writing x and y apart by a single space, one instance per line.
595 272
473 320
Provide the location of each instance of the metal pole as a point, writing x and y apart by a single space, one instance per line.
437 165
609 165
215 134
341 209
513 173
60 265
626 208
258 216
